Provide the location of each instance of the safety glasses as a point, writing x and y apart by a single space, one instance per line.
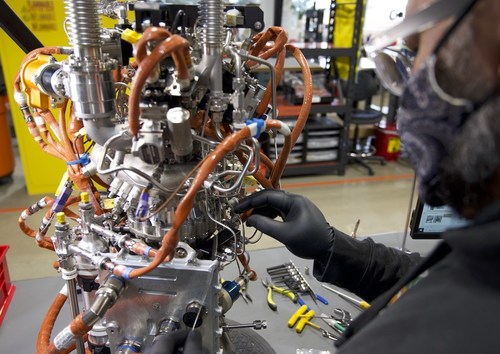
393 67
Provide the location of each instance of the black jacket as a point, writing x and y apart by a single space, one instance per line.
454 308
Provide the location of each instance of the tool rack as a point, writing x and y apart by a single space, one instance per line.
308 159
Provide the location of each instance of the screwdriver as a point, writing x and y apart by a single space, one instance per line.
360 303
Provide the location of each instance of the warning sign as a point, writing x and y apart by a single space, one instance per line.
39 15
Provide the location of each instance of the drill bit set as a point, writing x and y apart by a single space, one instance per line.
287 274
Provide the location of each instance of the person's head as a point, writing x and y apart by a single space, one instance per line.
467 66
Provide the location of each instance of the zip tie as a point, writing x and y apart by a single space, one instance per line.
259 124
83 160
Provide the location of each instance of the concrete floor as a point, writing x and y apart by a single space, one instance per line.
380 202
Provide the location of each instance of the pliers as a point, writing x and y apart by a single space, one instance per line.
271 287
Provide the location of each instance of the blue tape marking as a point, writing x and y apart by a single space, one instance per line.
83 160
146 250
260 124
126 273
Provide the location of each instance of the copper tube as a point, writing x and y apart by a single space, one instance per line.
278 66
280 164
276 34
242 158
68 146
46 135
35 133
43 339
171 46
150 34
252 275
301 119
307 102
171 238
78 328
74 127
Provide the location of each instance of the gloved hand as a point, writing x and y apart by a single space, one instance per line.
304 230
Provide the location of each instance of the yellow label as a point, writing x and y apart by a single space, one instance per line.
108 203
394 145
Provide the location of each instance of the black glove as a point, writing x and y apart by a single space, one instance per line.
304 230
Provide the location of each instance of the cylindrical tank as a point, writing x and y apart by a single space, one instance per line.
6 152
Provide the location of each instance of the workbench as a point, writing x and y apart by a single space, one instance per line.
32 298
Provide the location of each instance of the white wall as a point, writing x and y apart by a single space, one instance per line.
378 13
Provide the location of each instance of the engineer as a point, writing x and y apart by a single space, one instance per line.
449 122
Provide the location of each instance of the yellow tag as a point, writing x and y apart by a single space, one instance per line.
61 217
131 36
250 181
108 203
394 145
64 179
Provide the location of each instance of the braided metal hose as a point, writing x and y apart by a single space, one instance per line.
84 27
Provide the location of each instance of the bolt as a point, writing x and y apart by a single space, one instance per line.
180 252
257 25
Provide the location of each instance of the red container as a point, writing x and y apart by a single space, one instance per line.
6 287
6 153
387 142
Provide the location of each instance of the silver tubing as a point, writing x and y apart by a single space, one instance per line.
273 77
212 39
75 311
84 28
101 170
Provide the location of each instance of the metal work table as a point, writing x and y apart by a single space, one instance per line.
32 298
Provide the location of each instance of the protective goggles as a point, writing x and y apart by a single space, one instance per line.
393 67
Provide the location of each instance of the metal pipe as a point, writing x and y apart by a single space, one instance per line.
273 77
75 310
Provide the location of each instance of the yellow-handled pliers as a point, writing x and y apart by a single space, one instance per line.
285 292
270 301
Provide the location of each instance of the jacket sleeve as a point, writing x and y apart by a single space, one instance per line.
363 267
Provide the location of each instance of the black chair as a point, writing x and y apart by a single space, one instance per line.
365 88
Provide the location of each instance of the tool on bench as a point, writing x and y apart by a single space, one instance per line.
359 303
270 301
289 275
302 317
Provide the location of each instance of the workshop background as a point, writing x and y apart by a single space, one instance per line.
366 191
380 201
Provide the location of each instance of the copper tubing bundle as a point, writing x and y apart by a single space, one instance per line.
173 45
46 202
171 238
70 146
43 339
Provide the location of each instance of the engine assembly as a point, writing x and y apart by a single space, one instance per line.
159 121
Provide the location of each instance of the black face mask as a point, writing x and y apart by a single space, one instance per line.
428 119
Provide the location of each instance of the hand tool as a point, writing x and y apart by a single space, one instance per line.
360 303
302 317
343 316
281 266
257 324
285 292
270 301
336 325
